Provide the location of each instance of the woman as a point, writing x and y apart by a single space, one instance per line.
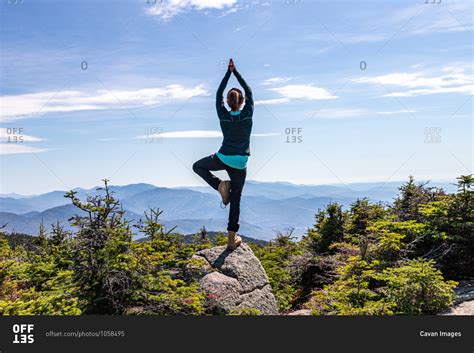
236 126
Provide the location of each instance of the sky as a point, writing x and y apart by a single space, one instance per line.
345 91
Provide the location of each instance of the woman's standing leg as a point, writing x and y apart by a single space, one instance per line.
237 181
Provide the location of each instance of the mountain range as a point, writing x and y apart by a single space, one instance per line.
266 208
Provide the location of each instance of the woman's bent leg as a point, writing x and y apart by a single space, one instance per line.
203 167
237 181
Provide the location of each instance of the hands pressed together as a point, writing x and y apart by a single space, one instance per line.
231 65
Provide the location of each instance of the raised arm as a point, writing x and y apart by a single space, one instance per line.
248 92
220 107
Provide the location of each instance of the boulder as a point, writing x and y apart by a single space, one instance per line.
233 280
301 312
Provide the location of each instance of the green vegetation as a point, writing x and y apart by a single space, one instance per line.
376 259
369 259
275 259
100 270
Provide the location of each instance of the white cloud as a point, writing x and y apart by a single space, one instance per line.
393 112
25 105
266 135
170 8
19 148
453 79
339 113
272 101
420 19
194 134
191 134
275 80
452 17
423 19
362 38
322 50
309 92
346 38
234 9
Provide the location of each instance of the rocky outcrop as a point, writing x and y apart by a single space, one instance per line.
233 281
465 308
464 302
301 312
464 291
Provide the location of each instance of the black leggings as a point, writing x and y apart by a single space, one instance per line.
203 168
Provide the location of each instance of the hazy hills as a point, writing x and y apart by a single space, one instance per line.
266 207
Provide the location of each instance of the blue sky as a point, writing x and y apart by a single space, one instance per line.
370 91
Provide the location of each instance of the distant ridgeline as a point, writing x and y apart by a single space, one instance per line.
369 258
269 207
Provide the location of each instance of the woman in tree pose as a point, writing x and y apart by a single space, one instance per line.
236 126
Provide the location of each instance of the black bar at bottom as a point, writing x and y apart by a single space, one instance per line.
248 334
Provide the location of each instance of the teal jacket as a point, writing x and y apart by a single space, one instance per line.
236 127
